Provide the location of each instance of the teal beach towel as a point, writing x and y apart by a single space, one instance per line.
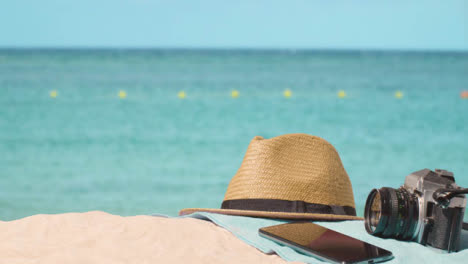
246 229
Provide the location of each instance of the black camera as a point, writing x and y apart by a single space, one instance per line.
428 209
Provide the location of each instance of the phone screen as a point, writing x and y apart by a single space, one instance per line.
324 243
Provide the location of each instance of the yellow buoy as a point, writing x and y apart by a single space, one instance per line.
398 95
341 94
122 94
235 94
181 95
53 93
287 93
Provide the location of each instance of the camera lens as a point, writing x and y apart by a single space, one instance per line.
391 213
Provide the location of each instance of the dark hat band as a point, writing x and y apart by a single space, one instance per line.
275 205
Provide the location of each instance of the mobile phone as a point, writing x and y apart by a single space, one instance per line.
324 244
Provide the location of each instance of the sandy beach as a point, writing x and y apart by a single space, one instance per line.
98 237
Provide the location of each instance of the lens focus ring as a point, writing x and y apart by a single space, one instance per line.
391 213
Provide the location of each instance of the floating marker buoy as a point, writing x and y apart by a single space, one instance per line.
287 93
464 94
122 94
341 94
181 95
398 95
53 93
235 94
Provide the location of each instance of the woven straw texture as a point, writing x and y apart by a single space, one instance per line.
294 167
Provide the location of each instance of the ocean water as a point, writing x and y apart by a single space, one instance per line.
151 152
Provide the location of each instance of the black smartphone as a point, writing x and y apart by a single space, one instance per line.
325 244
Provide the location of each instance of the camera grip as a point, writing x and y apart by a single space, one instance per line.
446 231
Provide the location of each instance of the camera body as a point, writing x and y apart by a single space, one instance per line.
439 225
428 209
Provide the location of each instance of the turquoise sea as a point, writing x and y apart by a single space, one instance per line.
152 152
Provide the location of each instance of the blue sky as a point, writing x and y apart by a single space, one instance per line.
416 24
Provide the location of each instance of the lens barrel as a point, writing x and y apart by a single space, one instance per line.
391 213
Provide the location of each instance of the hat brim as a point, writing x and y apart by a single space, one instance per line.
275 215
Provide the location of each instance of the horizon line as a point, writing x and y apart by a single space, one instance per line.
214 48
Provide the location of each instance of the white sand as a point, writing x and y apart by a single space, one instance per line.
98 237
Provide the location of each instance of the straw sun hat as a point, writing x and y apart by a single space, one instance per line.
294 176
